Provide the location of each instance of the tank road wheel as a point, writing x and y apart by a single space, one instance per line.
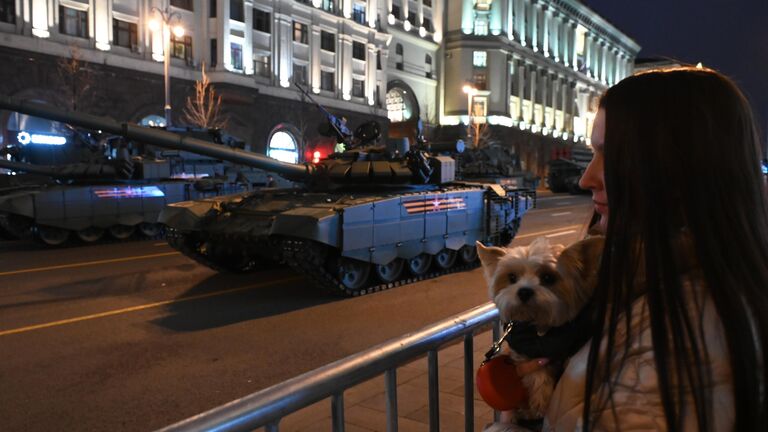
391 271
232 257
52 236
419 265
445 259
468 253
121 232
354 274
150 229
90 234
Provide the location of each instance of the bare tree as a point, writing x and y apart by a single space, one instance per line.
479 134
75 77
203 110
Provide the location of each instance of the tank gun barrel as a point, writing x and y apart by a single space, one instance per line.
28 168
159 138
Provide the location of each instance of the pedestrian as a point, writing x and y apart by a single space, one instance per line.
681 304
271 183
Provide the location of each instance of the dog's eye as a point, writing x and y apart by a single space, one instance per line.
512 278
547 278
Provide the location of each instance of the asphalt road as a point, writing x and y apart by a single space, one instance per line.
133 336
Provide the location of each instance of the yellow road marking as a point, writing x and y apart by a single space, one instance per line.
89 263
552 231
138 308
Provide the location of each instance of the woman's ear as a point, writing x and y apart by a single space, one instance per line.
489 258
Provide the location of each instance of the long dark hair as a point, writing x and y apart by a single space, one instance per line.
682 161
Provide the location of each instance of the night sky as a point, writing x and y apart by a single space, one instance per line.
730 36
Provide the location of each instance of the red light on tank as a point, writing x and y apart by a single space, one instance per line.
316 156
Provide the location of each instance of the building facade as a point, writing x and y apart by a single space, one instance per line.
535 70
537 66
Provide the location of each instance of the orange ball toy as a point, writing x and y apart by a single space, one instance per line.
499 384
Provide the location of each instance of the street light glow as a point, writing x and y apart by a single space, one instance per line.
178 31
468 89
154 25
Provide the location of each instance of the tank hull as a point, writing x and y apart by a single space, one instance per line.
349 243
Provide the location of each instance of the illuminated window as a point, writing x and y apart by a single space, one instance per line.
283 147
300 32
153 120
73 22
358 88
181 47
483 5
581 34
261 65
400 105
236 54
329 6
480 59
358 13
481 26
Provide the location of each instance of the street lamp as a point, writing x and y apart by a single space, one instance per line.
167 16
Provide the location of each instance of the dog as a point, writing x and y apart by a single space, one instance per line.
546 285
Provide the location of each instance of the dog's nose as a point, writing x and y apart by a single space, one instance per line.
525 294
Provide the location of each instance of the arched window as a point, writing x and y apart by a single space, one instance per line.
153 120
283 145
400 105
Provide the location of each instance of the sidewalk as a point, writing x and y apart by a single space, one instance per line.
364 404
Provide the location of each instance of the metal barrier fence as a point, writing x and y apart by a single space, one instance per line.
267 407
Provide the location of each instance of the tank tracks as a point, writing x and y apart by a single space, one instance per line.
309 259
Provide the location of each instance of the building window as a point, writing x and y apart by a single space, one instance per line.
236 10
428 65
300 74
481 26
153 120
400 107
236 54
483 5
327 41
378 60
73 22
358 88
261 65
181 47
214 53
326 80
427 23
329 6
358 50
212 9
358 13
481 80
480 59
262 21
125 34
427 3
283 147
396 11
8 11
183 4
399 57
412 19
300 32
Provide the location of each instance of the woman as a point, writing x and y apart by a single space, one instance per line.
682 298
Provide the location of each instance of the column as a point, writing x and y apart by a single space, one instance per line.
520 18
372 9
437 21
547 17
509 22
572 45
588 53
520 76
40 19
544 83
346 8
554 36
370 74
604 63
534 24
102 21
248 42
315 59
282 60
224 54
495 18
344 65
565 42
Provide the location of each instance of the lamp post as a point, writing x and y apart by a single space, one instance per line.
167 16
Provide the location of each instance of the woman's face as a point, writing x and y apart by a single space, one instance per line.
594 178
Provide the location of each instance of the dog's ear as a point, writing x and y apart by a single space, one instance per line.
580 262
541 246
489 258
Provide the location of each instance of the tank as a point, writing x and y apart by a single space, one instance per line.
494 163
86 184
566 168
362 220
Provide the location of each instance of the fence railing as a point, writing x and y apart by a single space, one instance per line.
267 407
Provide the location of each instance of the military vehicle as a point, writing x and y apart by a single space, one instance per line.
83 184
363 220
566 168
495 163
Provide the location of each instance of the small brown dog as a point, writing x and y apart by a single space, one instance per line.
546 285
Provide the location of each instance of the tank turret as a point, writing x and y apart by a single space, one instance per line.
366 218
